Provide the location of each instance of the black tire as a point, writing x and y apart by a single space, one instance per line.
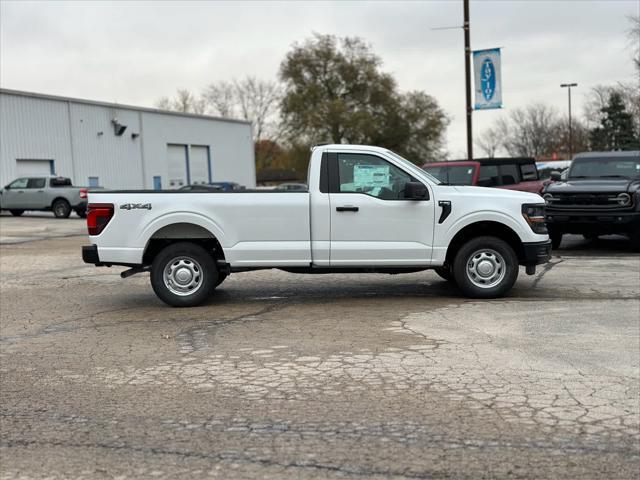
556 239
81 212
192 259
589 236
61 208
221 278
16 213
635 240
445 273
496 253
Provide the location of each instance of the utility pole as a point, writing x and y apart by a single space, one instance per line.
467 71
568 87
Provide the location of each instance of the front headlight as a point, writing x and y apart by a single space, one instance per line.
533 213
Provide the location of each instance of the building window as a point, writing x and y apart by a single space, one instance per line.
157 183
94 182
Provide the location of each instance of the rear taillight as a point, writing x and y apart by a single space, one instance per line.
98 216
83 193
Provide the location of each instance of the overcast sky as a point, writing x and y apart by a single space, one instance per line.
135 53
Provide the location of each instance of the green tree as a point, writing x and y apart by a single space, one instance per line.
335 91
616 130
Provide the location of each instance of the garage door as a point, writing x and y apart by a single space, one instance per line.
199 164
177 165
28 167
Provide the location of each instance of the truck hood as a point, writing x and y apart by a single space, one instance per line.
594 185
498 194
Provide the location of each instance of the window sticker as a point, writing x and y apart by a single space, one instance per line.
370 176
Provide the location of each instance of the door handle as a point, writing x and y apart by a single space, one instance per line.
40 191
20 191
348 208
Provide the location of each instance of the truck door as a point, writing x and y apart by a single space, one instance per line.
35 195
13 196
371 222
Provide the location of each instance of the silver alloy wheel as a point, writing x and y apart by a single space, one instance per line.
486 268
183 276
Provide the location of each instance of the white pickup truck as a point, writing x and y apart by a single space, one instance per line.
367 210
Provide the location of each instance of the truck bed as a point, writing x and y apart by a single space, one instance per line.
255 228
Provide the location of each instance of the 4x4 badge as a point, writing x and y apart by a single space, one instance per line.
135 206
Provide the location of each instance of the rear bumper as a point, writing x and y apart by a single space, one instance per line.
535 253
90 255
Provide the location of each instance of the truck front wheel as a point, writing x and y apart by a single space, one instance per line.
485 267
183 274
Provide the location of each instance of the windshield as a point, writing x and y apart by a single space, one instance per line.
452 175
605 167
413 167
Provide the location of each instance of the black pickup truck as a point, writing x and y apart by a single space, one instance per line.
600 196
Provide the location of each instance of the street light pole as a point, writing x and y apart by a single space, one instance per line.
568 87
467 71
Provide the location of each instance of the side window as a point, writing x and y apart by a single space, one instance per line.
371 175
488 176
19 183
36 183
509 174
529 172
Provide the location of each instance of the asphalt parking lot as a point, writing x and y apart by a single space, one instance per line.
338 376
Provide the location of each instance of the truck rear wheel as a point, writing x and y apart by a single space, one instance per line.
61 208
485 267
183 274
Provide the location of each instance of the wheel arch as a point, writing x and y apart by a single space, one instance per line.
480 228
183 231
59 198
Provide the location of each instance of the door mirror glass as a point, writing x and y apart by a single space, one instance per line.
415 191
556 176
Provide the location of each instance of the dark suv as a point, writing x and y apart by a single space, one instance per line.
600 196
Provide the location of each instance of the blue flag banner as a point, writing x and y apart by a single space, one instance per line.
487 79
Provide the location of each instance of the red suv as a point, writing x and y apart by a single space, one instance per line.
512 173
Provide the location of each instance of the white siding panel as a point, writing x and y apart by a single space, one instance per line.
32 128
98 152
230 144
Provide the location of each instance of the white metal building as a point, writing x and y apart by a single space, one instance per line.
119 146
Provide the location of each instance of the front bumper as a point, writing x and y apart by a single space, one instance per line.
536 253
90 255
592 221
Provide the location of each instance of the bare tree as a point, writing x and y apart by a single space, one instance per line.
257 101
184 101
490 142
529 131
634 39
598 98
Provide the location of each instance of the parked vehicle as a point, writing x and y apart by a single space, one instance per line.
202 188
49 193
228 186
599 196
367 210
290 187
510 173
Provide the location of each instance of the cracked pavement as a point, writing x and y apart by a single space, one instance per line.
318 376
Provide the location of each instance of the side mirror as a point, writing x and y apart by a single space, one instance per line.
556 176
416 191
